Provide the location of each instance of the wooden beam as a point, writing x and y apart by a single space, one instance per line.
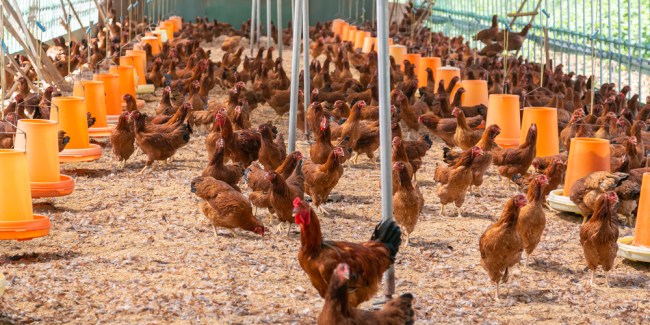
512 22
523 14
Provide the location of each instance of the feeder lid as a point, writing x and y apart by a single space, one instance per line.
53 189
25 230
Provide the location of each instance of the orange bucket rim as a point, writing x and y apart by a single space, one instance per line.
67 98
106 75
18 228
53 189
592 140
504 95
38 122
101 132
540 108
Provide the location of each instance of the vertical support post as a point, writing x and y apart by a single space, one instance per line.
279 45
258 23
252 33
384 128
269 40
640 55
629 46
620 39
295 77
305 55
2 61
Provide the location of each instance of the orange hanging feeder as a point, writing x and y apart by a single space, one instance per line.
177 21
397 52
127 84
153 42
642 227
337 26
446 73
70 112
503 110
112 98
140 64
476 92
359 38
432 63
41 145
17 219
414 59
587 155
95 100
548 141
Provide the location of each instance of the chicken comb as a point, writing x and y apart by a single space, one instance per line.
297 202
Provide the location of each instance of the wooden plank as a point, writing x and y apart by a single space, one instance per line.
523 14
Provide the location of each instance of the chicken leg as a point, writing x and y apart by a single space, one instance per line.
322 210
234 234
606 279
593 273
459 212
214 230
442 210
496 297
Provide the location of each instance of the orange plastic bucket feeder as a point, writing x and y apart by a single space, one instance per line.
161 34
587 155
446 73
346 31
41 144
177 21
397 52
140 61
368 43
112 98
432 63
70 112
476 92
130 61
127 85
337 26
17 219
548 141
359 38
153 42
642 227
168 27
414 58
95 99
503 110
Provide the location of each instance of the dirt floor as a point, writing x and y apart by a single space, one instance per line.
126 248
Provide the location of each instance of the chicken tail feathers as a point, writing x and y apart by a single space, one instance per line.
428 140
388 233
246 172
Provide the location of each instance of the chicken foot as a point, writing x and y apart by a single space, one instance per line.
322 210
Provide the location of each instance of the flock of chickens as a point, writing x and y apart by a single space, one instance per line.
343 119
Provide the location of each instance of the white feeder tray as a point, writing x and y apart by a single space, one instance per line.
145 89
631 252
562 203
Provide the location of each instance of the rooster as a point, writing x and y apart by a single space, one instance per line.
369 260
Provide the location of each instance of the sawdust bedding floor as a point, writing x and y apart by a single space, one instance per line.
130 248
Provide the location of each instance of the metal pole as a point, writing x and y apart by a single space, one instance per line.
2 61
252 37
384 128
268 24
258 24
295 78
305 55
629 46
640 56
280 29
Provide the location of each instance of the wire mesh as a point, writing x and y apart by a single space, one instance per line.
621 47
